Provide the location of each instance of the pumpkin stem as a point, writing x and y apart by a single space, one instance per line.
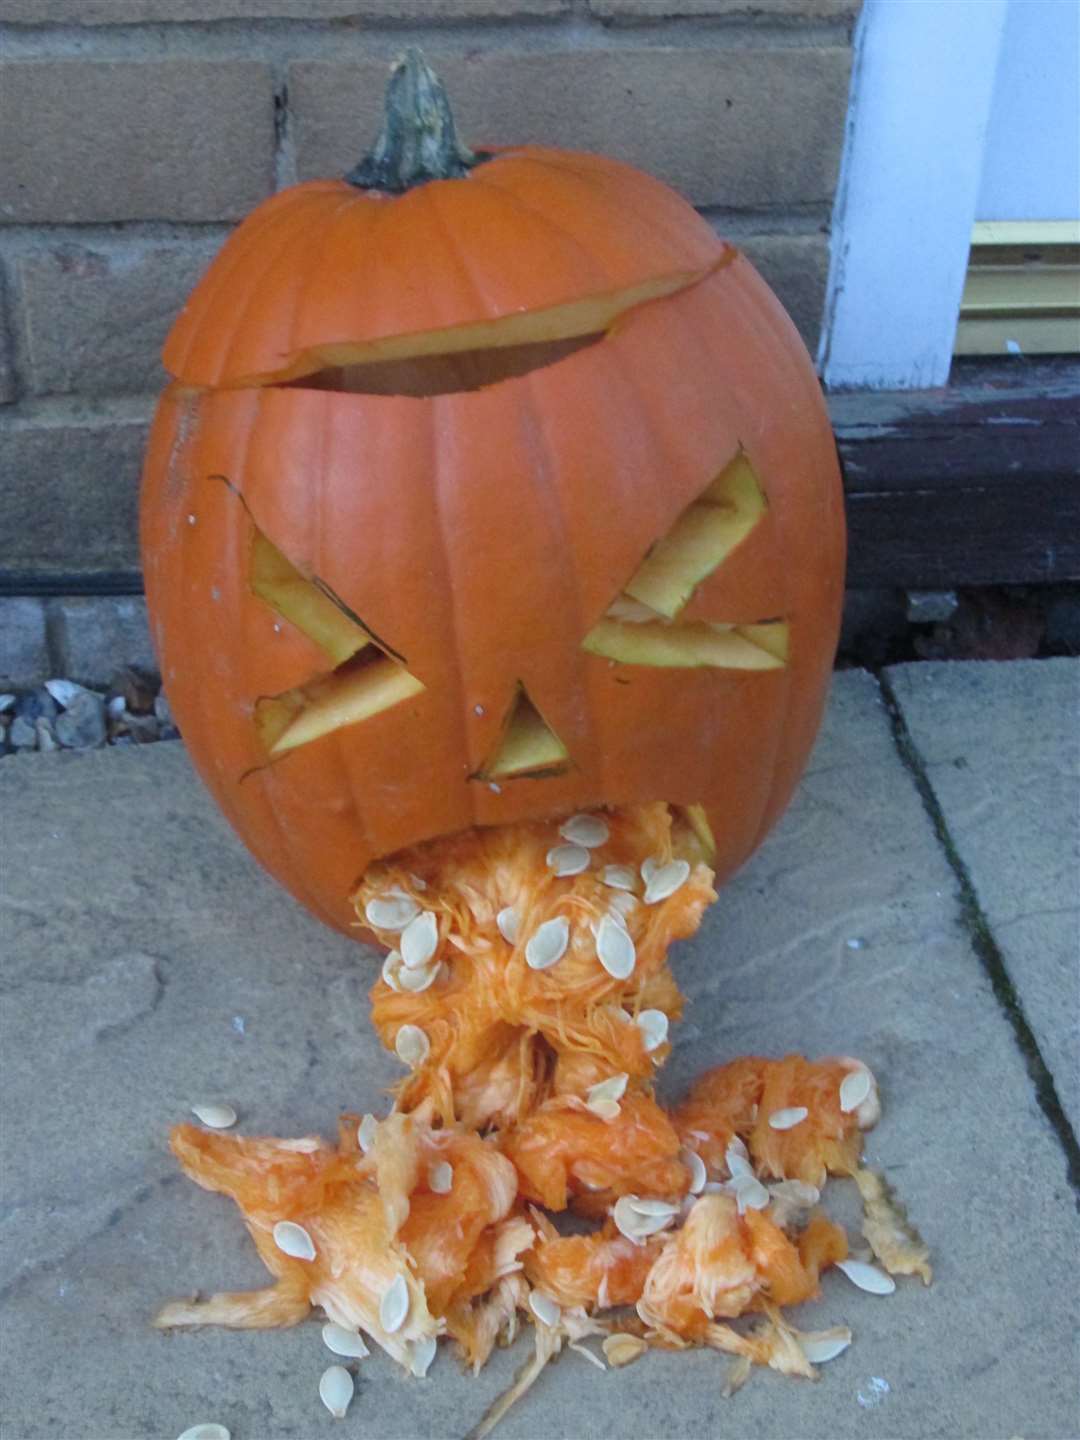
418 141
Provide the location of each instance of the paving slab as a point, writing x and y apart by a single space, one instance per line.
147 963
1000 747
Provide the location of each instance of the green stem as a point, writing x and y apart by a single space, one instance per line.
418 141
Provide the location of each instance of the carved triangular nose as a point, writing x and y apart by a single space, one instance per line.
527 744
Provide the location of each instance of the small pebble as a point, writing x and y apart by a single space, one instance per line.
65 691
137 690
46 735
82 725
23 733
33 703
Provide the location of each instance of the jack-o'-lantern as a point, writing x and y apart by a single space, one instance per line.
501 497
493 542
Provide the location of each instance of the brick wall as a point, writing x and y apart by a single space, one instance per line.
135 132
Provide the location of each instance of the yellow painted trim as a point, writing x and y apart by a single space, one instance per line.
1026 232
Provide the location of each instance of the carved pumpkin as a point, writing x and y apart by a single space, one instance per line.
508 497
500 498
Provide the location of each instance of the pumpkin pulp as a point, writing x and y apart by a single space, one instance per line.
530 1094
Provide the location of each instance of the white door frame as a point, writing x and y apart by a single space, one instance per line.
922 83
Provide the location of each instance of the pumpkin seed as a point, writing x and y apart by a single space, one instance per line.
217 1117
394 1305
737 1158
419 941
653 1208
294 1240
416 981
441 1178
634 1224
627 1220
867 1277
615 949
343 1341
391 968
821 1345
507 921
568 859
650 866
411 1046
207 1430
365 1132
392 911
698 1174
623 1349
613 1088
548 944
544 1308
606 1110
587 830
854 1089
788 1118
666 881
336 1390
423 1354
618 877
654 1028
750 1194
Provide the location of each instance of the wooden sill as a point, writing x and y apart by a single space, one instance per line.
977 483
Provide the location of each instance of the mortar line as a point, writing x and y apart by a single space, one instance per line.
299 38
981 937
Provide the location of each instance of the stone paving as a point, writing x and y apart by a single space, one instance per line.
911 908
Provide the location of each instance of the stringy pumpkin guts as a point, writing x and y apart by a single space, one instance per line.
540 1021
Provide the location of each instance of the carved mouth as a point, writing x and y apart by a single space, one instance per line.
472 356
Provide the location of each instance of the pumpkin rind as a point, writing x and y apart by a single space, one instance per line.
481 535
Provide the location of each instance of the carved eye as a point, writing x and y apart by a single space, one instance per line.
367 675
642 625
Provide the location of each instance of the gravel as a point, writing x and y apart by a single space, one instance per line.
64 715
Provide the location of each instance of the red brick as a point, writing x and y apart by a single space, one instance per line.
94 318
796 267
7 357
133 12
24 646
111 140
68 502
94 635
739 127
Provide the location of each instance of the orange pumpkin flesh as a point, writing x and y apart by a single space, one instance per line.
433 566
